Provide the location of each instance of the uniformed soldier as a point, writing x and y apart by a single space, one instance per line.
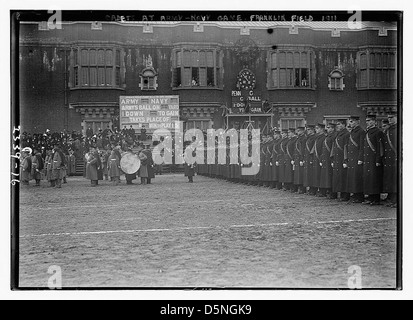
299 152
267 178
373 161
289 161
390 160
308 160
37 166
282 158
354 161
326 177
318 151
275 153
385 125
338 154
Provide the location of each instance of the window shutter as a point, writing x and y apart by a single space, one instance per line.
109 57
210 59
274 60
85 58
304 60
71 69
122 65
296 60
289 60
194 59
101 57
93 77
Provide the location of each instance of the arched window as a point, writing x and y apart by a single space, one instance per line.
148 79
336 80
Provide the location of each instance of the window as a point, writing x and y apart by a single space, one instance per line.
291 69
198 124
148 79
287 123
336 80
96 67
193 68
377 70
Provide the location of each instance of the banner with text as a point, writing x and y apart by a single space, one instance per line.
153 112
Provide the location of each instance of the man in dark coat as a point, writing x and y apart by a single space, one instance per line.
309 159
373 161
338 155
282 158
189 169
390 160
275 153
89 132
326 178
354 161
299 152
318 151
37 166
289 161
150 164
142 136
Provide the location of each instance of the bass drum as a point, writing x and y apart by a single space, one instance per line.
130 163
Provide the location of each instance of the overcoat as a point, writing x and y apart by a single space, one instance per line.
338 151
37 166
282 158
275 154
25 169
390 160
326 175
299 157
114 165
289 168
58 171
308 161
92 168
149 165
355 153
318 151
373 154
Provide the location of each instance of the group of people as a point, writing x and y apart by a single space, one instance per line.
339 160
78 144
53 167
106 165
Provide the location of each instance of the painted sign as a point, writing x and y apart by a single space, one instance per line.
153 112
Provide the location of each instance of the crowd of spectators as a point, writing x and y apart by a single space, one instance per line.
76 143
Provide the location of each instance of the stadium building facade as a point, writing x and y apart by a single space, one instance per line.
226 74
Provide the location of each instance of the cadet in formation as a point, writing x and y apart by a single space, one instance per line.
337 160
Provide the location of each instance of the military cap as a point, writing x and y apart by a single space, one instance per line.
301 128
354 118
27 149
321 125
371 117
343 121
391 114
310 126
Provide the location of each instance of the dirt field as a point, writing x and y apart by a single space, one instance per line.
211 233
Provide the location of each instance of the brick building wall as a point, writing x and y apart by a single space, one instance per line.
49 98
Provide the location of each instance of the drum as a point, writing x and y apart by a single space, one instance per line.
130 163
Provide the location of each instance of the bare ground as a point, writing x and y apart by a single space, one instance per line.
209 234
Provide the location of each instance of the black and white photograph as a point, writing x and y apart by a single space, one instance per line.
206 150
